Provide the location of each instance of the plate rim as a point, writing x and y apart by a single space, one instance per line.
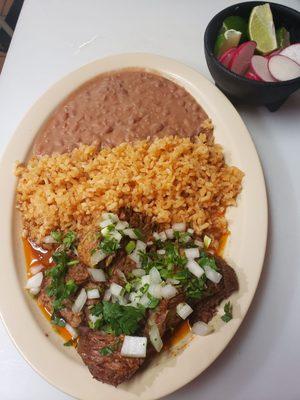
150 59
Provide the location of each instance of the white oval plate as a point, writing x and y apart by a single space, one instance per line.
32 334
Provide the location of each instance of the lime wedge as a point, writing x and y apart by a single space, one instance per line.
237 23
226 41
283 37
261 29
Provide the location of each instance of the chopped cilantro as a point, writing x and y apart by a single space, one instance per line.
122 319
69 239
57 236
153 301
97 310
56 320
128 287
109 245
58 288
138 233
227 312
106 351
130 247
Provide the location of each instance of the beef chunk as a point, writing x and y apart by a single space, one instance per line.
87 244
140 221
70 317
113 368
44 299
205 309
78 273
121 266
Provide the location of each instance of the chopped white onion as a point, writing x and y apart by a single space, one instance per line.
134 346
179 227
194 268
134 297
145 280
115 289
107 295
154 275
72 331
116 235
80 301
168 291
161 251
111 216
201 328
140 246
138 272
37 268
105 223
135 257
198 243
150 243
192 253
156 236
190 230
184 310
170 233
49 240
105 231
130 232
155 338
35 281
155 290
98 275
96 257
93 294
144 300
206 241
163 236
212 275
121 225
34 291
94 318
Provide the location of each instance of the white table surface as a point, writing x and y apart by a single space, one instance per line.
263 360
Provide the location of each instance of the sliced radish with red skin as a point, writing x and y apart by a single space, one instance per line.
292 52
226 57
241 59
283 68
251 75
274 53
259 65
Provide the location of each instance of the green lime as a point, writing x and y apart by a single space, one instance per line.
283 37
226 41
237 23
261 29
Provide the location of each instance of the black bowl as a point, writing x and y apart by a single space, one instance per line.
241 90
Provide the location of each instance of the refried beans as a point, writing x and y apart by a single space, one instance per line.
120 106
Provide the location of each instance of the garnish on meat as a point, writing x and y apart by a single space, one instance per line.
124 287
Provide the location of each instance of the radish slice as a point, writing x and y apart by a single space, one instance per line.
259 65
226 57
241 59
252 76
292 52
274 53
283 68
